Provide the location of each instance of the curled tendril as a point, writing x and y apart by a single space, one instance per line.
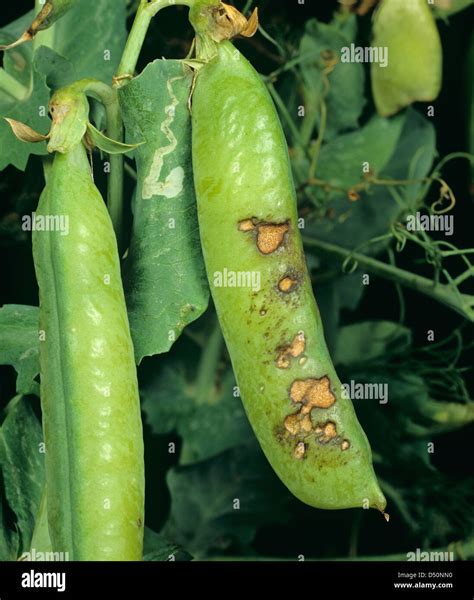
445 193
398 233
349 265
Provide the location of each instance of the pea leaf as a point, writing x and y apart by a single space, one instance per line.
370 340
343 291
220 503
398 148
157 548
169 403
91 36
342 160
19 344
164 273
31 109
343 108
9 539
58 71
22 465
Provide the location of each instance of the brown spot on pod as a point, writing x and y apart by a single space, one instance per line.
312 393
294 349
326 432
297 424
299 451
270 236
287 284
345 445
247 225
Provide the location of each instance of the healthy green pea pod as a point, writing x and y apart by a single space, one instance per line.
414 69
262 291
89 392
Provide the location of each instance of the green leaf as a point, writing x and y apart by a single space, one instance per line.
413 157
57 70
19 344
32 109
9 539
165 279
342 160
169 403
106 144
402 147
370 340
220 503
91 36
157 548
345 99
341 292
22 465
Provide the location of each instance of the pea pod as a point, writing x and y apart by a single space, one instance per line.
262 291
89 393
414 70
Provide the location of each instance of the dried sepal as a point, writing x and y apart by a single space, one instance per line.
25 133
229 23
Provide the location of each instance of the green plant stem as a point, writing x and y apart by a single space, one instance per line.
109 98
146 11
208 366
443 293
11 86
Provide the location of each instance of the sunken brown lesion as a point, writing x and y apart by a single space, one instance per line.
300 450
312 393
269 237
247 225
326 432
287 284
293 350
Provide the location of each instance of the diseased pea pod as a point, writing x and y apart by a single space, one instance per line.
89 393
262 291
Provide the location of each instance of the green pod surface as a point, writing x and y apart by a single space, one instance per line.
414 70
89 392
262 291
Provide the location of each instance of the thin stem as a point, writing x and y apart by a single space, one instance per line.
146 11
109 98
443 293
208 366
12 87
317 145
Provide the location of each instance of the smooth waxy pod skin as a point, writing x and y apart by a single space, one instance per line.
248 226
89 393
407 28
